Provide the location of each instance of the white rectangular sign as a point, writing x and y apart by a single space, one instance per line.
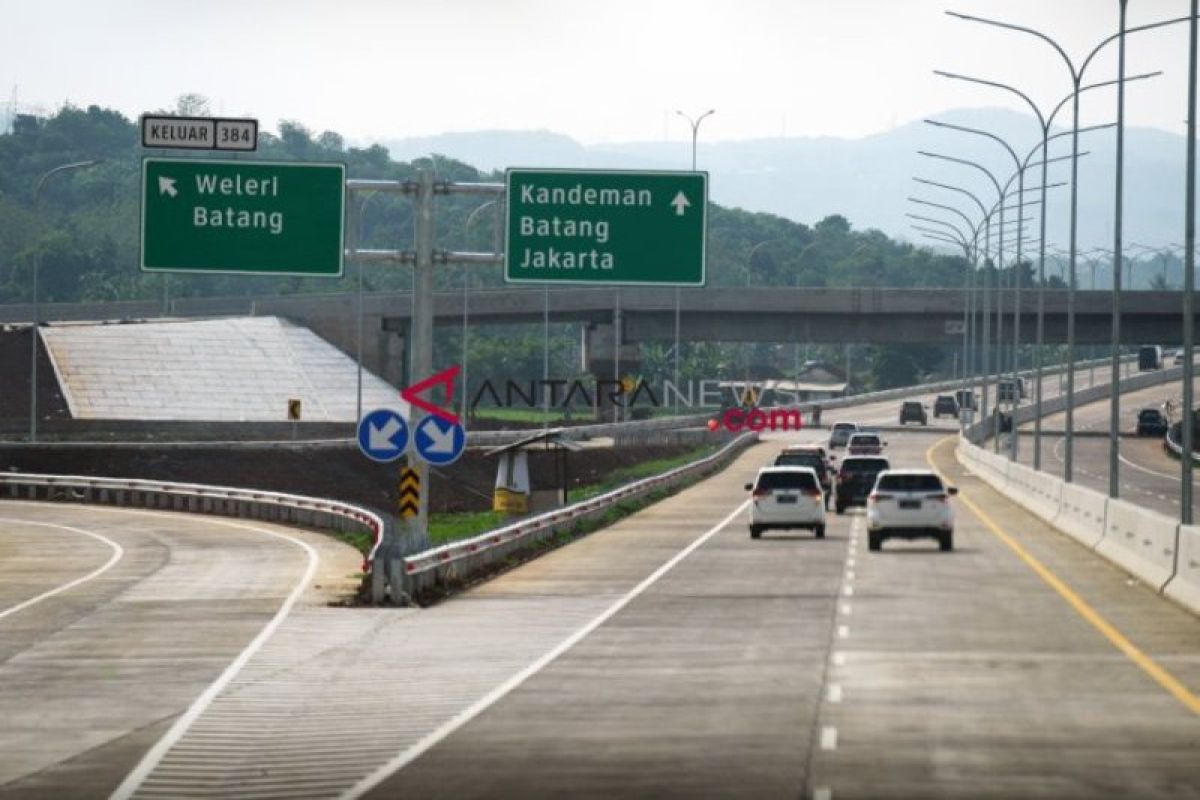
199 133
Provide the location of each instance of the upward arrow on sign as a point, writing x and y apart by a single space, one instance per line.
167 186
680 202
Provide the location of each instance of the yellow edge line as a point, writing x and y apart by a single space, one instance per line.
1163 678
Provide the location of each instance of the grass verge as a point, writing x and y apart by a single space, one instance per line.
444 528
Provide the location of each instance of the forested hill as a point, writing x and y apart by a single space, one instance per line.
86 229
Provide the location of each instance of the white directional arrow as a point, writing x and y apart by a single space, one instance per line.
381 438
680 202
443 440
167 186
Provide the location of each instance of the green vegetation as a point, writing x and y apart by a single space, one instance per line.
445 528
84 234
642 469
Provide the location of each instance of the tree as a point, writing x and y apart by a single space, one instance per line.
192 105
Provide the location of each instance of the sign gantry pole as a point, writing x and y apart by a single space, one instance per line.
421 335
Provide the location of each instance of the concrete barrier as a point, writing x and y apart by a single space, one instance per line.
1033 490
1081 513
1184 588
1140 540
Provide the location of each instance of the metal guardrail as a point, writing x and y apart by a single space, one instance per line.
198 498
1176 447
409 575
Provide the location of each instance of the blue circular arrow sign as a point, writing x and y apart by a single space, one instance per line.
439 441
382 435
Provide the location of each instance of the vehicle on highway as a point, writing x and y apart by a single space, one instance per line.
1177 358
945 404
813 456
840 433
966 399
786 497
1011 391
1151 422
913 411
910 504
865 444
856 478
1149 357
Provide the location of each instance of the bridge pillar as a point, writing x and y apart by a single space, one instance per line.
598 354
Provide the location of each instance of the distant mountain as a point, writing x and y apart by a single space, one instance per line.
868 179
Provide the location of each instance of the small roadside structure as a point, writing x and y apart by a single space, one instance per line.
514 493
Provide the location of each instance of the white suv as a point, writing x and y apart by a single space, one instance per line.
910 504
786 497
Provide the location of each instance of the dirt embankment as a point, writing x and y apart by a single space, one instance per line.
341 473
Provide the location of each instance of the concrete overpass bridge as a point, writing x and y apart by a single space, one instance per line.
728 314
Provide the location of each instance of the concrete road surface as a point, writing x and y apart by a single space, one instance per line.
668 655
792 667
112 622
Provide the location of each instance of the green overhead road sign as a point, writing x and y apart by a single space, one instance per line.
605 227
246 217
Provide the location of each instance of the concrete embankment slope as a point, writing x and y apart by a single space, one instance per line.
237 369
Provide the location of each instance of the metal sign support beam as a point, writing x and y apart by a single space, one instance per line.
423 259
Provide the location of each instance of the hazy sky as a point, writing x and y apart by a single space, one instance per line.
599 71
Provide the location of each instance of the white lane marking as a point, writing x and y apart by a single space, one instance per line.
1148 471
849 574
822 793
843 631
839 658
405 757
846 609
117 553
848 591
850 561
153 756
835 693
829 738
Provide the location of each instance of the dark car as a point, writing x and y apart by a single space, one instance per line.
855 480
912 411
966 399
945 404
1151 422
809 457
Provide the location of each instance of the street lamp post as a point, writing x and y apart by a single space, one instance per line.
986 223
466 303
695 125
37 265
1076 75
1189 281
1021 166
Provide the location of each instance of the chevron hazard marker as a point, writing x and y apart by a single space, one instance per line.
410 493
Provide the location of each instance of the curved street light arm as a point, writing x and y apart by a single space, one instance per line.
1062 103
928 233
939 233
944 207
966 162
958 232
1148 26
960 190
1032 105
978 132
1021 28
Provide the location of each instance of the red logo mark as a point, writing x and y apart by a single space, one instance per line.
444 378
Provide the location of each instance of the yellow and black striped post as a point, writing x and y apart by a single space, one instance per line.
410 492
